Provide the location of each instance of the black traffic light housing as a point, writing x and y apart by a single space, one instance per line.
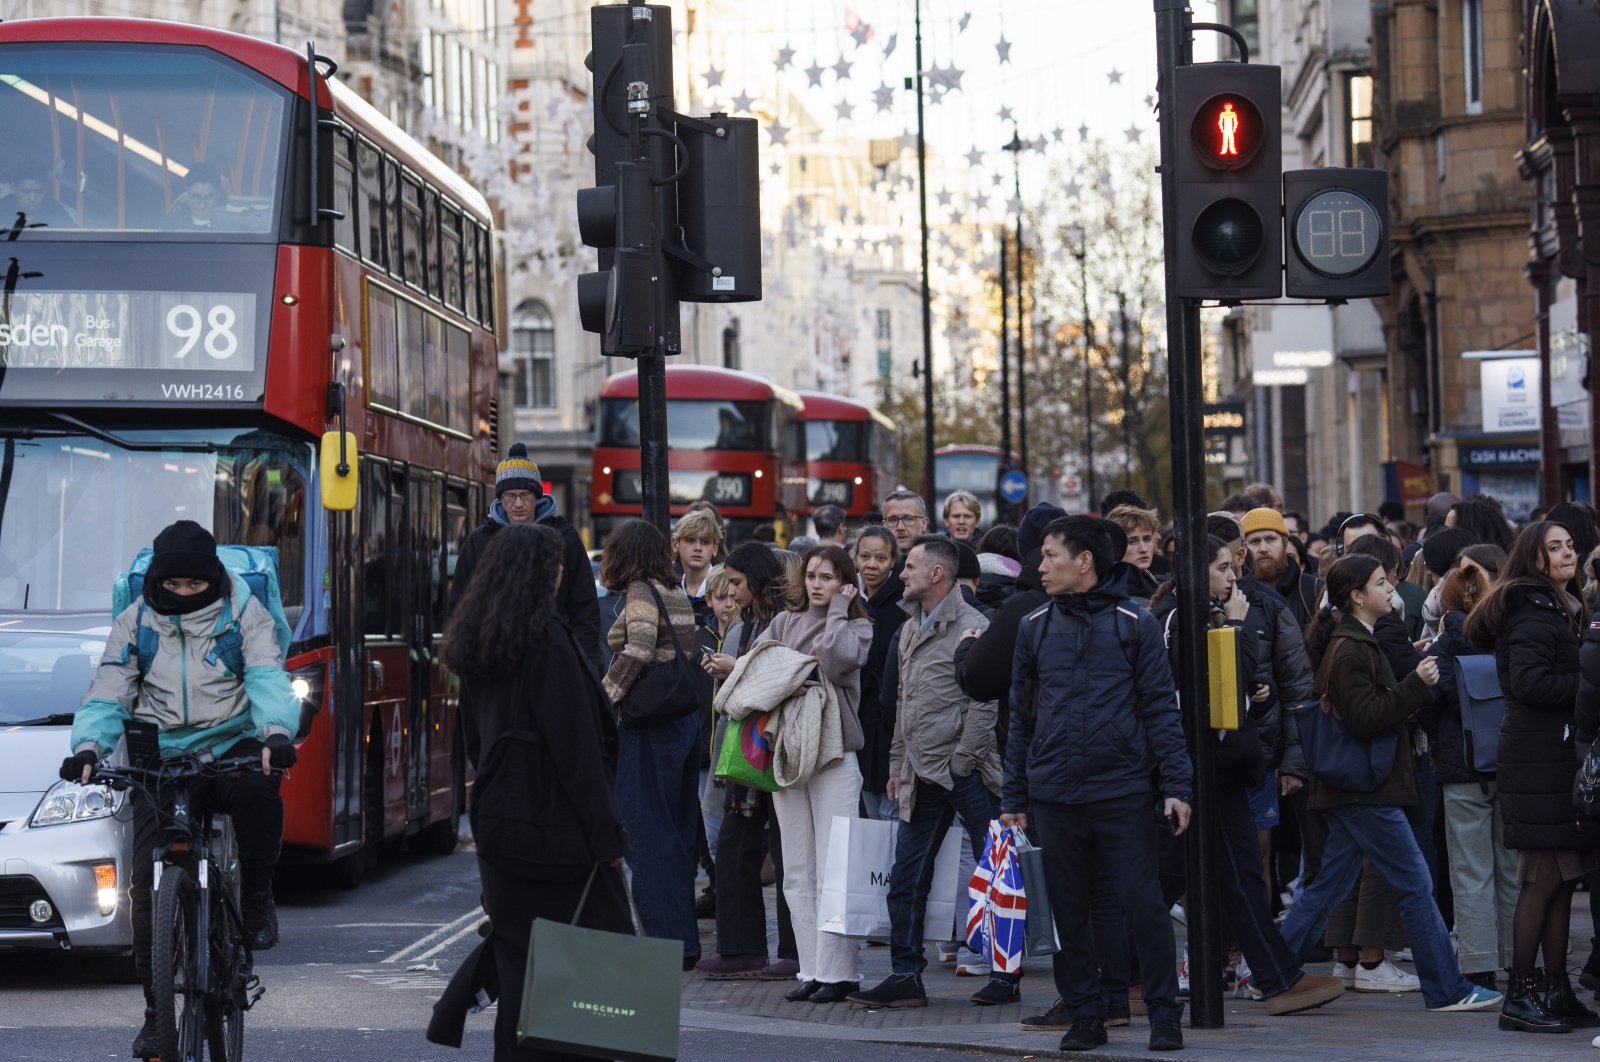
1229 174
1336 227
676 202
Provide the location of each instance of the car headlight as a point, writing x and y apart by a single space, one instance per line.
71 802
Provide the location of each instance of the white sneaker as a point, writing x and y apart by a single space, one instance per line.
971 964
1404 955
1346 974
948 949
1179 915
1244 985
1386 978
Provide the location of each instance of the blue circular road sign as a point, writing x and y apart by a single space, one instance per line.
1013 486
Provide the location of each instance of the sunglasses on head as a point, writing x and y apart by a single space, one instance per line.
1358 520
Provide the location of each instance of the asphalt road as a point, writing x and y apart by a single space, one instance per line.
343 984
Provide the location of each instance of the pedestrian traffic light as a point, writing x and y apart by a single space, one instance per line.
1230 166
1336 222
631 301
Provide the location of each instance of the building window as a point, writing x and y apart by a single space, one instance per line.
1472 59
731 353
533 346
1358 111
1246 18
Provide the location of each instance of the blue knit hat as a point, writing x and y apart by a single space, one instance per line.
517 472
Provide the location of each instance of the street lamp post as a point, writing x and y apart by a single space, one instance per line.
1015 147
1081 237
929 483
1005 364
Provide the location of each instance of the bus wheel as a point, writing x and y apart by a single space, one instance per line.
441 838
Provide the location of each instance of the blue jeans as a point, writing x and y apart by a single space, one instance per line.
916 845
1384 836
658 794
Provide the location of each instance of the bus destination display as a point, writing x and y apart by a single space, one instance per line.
169 338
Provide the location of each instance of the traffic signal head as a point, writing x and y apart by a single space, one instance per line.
719 210
1229 170
618 301
1336 222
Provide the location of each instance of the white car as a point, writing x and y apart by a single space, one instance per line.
64 848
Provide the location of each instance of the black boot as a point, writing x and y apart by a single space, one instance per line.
1564 1003
1590 977
1525 1009
260 921
144 1044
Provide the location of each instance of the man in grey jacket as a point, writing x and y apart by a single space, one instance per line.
943 763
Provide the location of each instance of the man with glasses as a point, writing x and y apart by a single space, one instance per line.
906 515
519 498
204 203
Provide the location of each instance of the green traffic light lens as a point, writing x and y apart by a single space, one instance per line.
1228 235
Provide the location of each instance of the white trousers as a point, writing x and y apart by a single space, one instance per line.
805 821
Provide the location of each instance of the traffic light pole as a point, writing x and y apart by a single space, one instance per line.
1174 48
930 484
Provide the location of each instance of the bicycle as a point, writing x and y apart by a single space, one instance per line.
201 992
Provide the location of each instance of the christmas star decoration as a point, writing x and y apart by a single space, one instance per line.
1057 133
1150 100
997 179
1073 189
860 220
778 132
944 198
974 157
713 77
776 169
844 110
980 202
1083 133
1133 133
908 141
1013 205
956 217
961 26
888 48
1114 76
861 243
785 57
862 33
1003 48
1005 115
883 96
743 101
841 69
1038 144
814 73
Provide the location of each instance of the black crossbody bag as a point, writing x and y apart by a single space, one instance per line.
666 691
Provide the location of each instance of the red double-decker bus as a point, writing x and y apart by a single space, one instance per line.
850 454
733 439
218 252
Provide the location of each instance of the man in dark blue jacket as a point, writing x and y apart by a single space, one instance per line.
1093 712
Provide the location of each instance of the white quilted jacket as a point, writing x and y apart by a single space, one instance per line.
804 727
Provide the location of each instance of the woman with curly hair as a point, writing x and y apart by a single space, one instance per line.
658 776
542 737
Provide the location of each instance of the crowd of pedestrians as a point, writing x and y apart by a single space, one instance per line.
1025 674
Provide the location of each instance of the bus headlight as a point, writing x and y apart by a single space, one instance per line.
300 687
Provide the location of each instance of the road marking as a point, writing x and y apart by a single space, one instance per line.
385 925
468 920
465 931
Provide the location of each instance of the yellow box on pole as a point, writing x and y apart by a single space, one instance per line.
1227 685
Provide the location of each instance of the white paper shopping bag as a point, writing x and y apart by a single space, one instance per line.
855 882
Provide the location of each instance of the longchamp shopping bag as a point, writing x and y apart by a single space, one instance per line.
1039 935
855 879
600 994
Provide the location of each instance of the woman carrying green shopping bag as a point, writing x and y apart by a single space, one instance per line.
543 810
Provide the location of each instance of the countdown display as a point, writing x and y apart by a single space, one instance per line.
1337 233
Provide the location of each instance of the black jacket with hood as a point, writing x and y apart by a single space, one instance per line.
877 702
577 601
1281 666
1536 654
983 664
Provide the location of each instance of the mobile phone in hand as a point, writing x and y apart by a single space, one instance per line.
1172 822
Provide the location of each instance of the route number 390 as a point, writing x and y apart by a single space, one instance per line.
215 330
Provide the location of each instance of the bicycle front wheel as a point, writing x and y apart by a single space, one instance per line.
175 951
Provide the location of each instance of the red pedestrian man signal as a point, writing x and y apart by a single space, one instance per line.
1228 126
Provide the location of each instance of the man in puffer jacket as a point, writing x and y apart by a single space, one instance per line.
1093 713
187 690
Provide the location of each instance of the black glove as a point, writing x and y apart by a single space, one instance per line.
281 746
72 767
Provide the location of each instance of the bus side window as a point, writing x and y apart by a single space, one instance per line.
369 187
432 280
375 558
411 232
455 533
391 215
469 255
344 192
450 254
486 277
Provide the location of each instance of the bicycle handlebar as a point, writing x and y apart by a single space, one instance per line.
180 765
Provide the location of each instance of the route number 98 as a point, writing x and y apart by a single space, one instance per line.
214 330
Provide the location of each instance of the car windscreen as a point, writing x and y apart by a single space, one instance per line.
44 674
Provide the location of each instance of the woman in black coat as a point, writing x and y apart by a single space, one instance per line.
1533 621
875 557
543 813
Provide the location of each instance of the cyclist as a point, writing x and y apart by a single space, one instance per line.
191 602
